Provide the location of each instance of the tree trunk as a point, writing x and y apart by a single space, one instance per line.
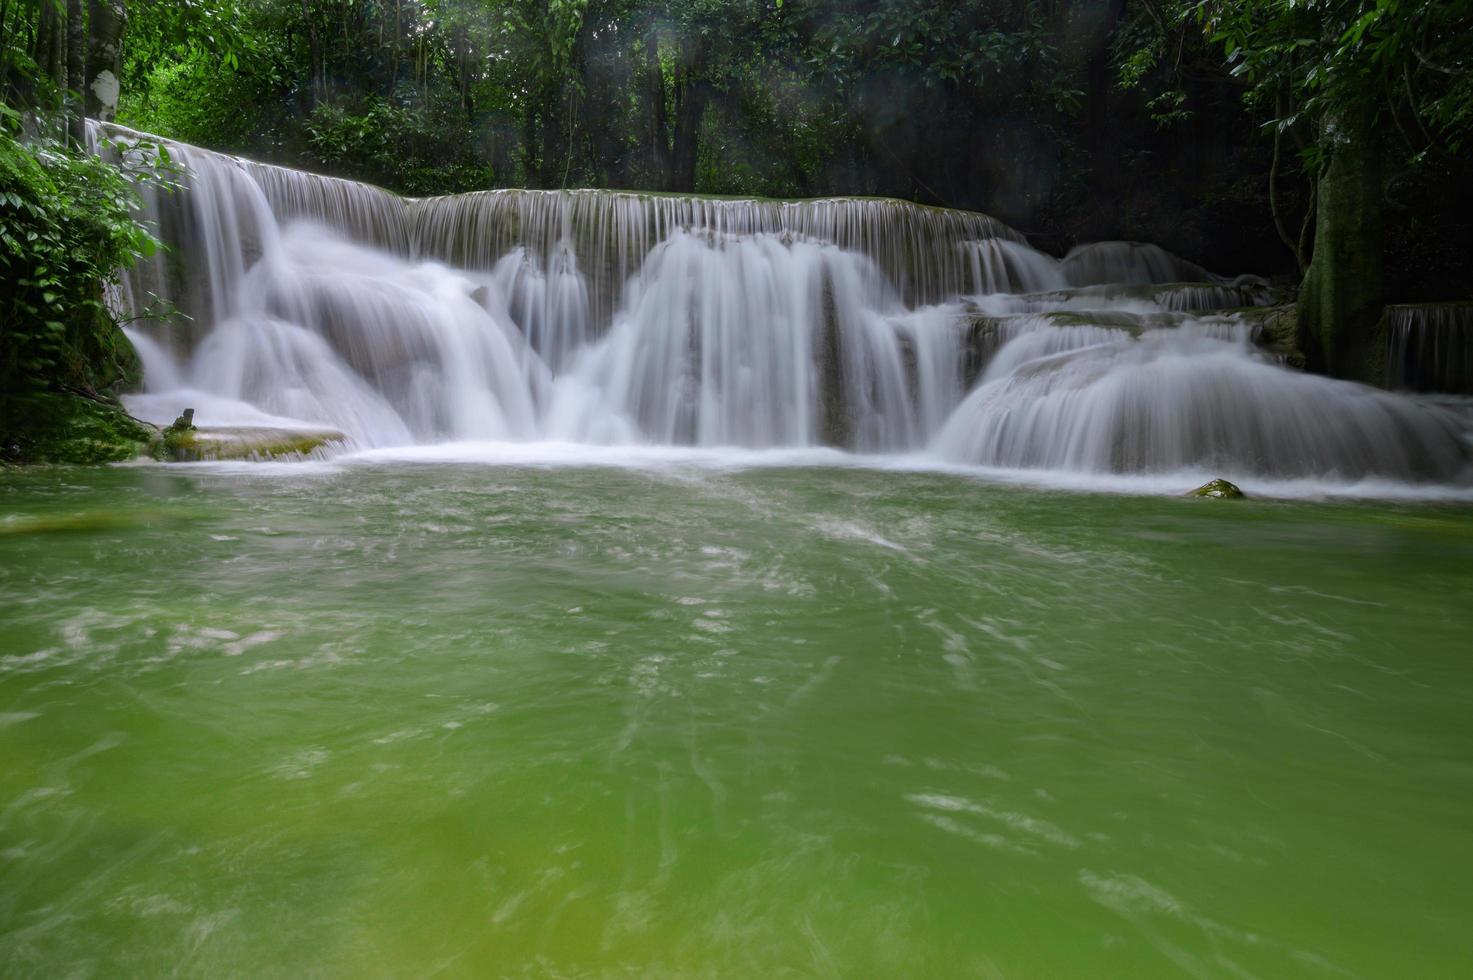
1341 300
551 98
106 21
53 44
314 55
530 165
690 109
76 69
661 162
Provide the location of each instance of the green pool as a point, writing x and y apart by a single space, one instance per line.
412 719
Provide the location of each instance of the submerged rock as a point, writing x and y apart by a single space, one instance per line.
1218 489
179 444
87 521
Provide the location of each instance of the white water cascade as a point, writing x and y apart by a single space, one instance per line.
617 318
1192 397
754 340
1430 347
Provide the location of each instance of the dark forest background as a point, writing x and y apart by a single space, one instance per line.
1020 108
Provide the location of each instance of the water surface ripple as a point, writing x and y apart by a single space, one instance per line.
391 719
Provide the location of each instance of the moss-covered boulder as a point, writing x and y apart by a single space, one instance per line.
60 427
1277 331
1218 490
188 444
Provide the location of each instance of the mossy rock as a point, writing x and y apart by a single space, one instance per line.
1218 490
1278 330
60 427
187 444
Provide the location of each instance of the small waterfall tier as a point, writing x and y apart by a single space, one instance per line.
1195 397
1429 347
877 326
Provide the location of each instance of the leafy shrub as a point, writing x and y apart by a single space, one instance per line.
406 145
66 231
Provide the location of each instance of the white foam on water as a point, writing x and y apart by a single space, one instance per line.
572 455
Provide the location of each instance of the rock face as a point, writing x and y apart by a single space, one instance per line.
1278 331
1219 490
180 444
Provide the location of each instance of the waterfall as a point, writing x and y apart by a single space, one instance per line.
1130 264
1090 399
761 340
614 317
612 233
1430 347
1004 266
548 300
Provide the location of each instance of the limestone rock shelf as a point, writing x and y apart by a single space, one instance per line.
181 445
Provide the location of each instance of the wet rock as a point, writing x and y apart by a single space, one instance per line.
1276 331
191 445
1218 489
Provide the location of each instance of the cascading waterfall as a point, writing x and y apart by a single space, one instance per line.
615 317
1128 264
385 351
1098 399
548 300
757 340
919 249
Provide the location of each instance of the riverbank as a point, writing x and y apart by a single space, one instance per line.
65 427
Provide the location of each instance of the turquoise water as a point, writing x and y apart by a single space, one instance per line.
403 719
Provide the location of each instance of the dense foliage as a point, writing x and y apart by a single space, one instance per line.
1305 68
1005 106
66 229
1373 100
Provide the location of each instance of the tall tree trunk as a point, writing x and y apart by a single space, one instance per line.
10 43
1342 298
76 70
661 162
56 64
106 21
690 110
692 92
398 42
314 55
529 145
53 43
553 135
463 65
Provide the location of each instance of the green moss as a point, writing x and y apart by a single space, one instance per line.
1218 490
1278 330
1134 323
58 427
186 444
